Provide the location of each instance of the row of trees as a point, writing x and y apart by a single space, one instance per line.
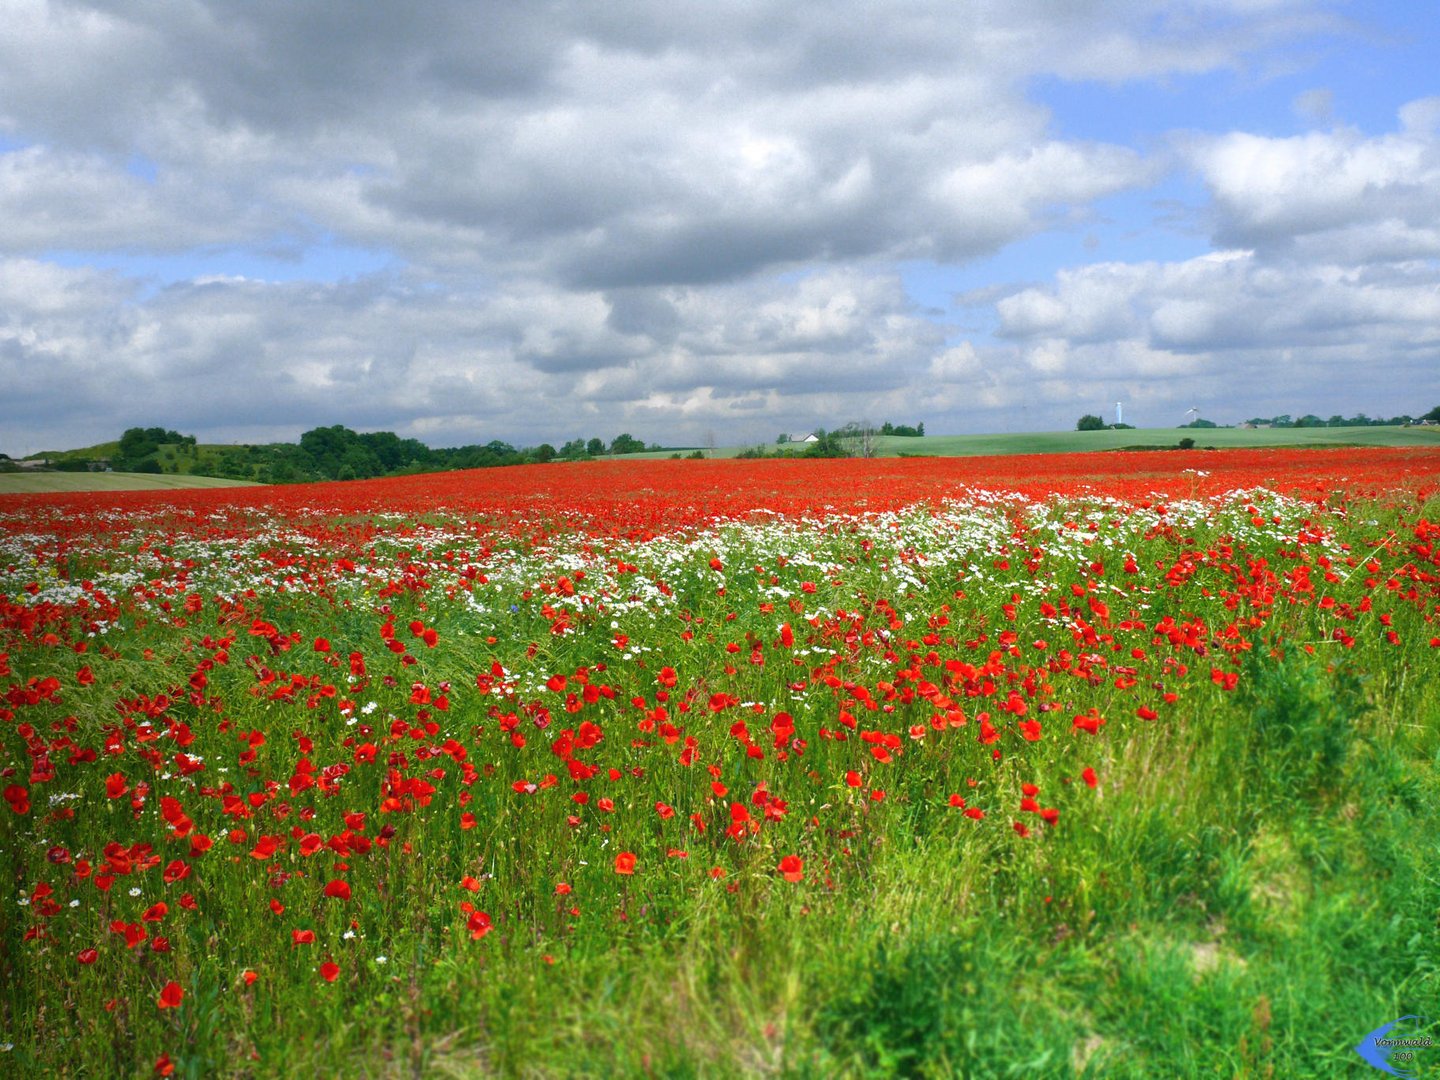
1310 420
334 453
863 429
1090 422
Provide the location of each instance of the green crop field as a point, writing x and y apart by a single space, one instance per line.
37 482
1070 442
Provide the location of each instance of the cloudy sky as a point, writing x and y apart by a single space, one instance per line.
465 220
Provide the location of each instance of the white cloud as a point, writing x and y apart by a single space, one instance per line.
657 215
1313 195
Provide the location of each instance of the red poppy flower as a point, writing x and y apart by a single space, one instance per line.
792 868
171 996
625 863
329 970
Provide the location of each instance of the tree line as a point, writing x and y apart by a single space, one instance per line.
1310 420
328 453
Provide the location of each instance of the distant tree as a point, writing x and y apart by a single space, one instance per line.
595 447
887 428
545 452
920 429
626 444
781 439
575 448
1090 422
1187 443
1433 415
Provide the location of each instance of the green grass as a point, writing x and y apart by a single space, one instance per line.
39 482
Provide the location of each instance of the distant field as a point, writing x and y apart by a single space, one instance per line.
39 482
1069 442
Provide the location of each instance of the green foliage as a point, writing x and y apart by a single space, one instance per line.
1090 422
827 444
1304 720
903 430
139 447
626 444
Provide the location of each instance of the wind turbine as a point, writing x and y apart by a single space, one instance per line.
1190 415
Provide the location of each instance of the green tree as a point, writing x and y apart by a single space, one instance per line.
1090 422
595 447
827 444
626 444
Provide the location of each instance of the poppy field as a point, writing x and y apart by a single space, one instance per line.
1075 765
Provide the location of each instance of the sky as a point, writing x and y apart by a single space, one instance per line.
711 222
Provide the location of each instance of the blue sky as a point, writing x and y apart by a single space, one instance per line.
471 221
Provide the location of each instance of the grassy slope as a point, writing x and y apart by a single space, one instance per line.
38 482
